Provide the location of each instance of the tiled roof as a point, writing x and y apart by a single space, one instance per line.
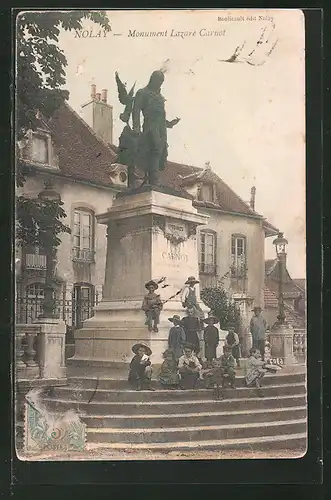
270 298
298 322
83 156
269 265
290 290
271 302
177 175
301 283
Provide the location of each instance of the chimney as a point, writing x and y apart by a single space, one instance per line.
104 95
98 114
252 201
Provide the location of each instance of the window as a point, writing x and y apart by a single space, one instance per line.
238 254
207 192
30 307
35 291
39 151
34 258
207 254
83 245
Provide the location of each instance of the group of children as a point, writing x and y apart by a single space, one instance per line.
182 367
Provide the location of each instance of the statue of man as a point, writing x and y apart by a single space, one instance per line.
152 149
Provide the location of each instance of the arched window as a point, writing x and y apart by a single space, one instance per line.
83 235
238 256
207 252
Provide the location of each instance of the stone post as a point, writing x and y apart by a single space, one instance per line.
281 343
247 343
19 349
52 349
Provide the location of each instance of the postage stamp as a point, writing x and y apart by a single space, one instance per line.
160 301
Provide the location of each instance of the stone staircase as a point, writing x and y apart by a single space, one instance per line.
121 421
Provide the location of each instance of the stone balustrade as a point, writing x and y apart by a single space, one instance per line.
27 359
300 344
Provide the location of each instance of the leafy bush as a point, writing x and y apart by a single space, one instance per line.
225 309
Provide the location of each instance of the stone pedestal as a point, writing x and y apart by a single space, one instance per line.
281 343
246 344
151 234
52 348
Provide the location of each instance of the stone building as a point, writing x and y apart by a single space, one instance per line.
294 296
78 156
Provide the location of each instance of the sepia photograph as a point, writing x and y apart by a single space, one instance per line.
160 235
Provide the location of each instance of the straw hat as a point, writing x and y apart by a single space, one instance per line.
174 318
188 345
191 281
145 346
151 282
211 316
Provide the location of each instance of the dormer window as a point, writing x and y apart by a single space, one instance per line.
39 149
207 192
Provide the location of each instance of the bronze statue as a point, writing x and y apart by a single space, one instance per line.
144 147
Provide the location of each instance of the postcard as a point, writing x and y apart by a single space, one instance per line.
160 266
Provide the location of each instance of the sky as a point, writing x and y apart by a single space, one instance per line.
247 120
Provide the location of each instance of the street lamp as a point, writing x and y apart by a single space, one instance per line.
49 194
280 243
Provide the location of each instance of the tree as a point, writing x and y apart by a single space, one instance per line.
226 310
40 78
41 63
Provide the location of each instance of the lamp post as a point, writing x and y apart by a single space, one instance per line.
282 333
280 243
49 194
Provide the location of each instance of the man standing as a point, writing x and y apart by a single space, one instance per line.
191 326
258 327
189 300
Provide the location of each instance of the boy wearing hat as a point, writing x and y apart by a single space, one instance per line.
189 299
255 370
191 326
169 376
232 340
223 368
152 306
176 339
258 328
189 368
140 372
211 338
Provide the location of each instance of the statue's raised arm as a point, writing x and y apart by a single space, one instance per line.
172 123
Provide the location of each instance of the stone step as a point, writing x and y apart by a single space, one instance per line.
125 451
170 395
196 433
180 420
122 383
174 407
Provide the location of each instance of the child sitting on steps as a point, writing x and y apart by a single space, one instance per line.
255 370
223 369
140 372
169 376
